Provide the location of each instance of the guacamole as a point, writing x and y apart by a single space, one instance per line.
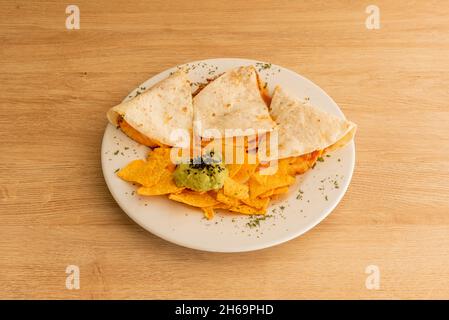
207 173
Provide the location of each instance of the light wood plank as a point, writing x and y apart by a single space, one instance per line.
56 86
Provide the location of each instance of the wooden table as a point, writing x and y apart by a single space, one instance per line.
56 85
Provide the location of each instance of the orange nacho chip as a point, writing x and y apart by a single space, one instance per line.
158 190
233 169
245 172
149 173
234 189
257 203
195 199
221 206
208 212
161 156
274 192
142 172
165 185
229 201
259 184
242 208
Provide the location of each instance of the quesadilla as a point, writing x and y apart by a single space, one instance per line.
152 116
305 130
233 170
232 105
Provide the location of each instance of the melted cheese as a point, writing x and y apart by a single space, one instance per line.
136 135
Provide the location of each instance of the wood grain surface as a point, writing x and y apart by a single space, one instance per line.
56 85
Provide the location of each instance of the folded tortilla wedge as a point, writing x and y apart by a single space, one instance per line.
233 101
302 129
151 117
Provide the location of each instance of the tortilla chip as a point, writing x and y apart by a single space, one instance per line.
256 189
194 199
274 192
165 185
142 172
259 184
247 209
149 173
131 170
233 169
229 201
162 157
245 172
234 189
208 212
257 203
221 206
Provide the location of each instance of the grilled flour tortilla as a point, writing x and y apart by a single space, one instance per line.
303 129
151 117
232 101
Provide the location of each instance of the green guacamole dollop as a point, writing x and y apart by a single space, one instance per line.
207 173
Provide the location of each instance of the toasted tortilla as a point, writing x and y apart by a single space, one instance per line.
233 101
302 129
156 113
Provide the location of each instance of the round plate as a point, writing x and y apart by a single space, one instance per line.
310 200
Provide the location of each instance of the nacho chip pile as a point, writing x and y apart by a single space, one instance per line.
153 175
246 190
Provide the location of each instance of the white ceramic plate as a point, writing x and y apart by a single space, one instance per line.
309 201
